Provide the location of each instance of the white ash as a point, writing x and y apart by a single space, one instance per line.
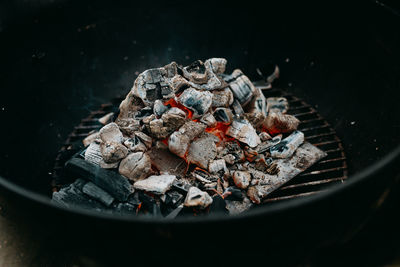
94 137
243 131
222 98
217 165
209 120
136 166
229 158
223 115
106 119
179 141
241 179
147 140
159 108
202 150
157 184
197 101
197 198
287 146
128 125
277 104
280 123
165 161
135 145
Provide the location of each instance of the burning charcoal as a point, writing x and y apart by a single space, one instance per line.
234 194
280 123
241 87
125 208
237 207
135 145
179 83
287 146
93 155
202 150
128 125
202 176
173 119
181 186
159 108
237 108
166 162
174 213
153 84
244 132
250 154
253 194
264 146
264 136
145 139
222 98
217 165
218 205
197 198
258 103
115 184
196 72
305 156
178 142
223 115
113 152
91 138
156 184
111 133
241 179
209 120
106 119
157 129
213 80
218 65
197 101
173 198
236 151
129 107
135 166
72 196
229 158
97 193
277 104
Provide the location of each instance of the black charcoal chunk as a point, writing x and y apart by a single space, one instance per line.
97 193
235 194
218 205
173 214
181 187
125 208
110 181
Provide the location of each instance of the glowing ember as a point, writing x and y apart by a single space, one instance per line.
175 104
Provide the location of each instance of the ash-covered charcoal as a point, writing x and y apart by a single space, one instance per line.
165 161
243 131
242 88
147 140
304 157
236 151
129 107
129 125
265 146
233 193
135 145
106 119
217 165
197 101
94 137
264 136
173 119
182 186
93 155
136 166
241 179
277 104
173 214
223 115
222 98
172 198
197 198
202 150
209 120
110 181
287 146
280 123
159 108
196 72
213 68
157 184
237 207
111 145
179 141
237 108
97 193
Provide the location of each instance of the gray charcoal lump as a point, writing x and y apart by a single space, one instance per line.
188 140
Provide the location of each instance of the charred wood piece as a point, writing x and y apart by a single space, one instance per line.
157 184
97 193
287 146
243 131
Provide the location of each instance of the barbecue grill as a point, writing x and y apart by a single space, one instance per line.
62 60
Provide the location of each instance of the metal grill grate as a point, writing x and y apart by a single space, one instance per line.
331 170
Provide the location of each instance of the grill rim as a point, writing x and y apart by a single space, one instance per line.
262 210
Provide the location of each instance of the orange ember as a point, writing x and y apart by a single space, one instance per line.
272 132
220 131
175 104
165 141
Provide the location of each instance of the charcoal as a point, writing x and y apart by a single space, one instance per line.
173 119
197 198
91 138
287 146
217 64
145 139
159 108
264 136
209 120
258 103
157 184
237 108
125 209
237 207
135 145
97 193
243 131
241 179
111 133
128 125
129 107
72 196
174 213
222 98
166 162
93 155
173 198
150 205
197 101
305 156
217 165
280 123
253 194
265 146
229 158
181 187
234 194
213 67
115 184
106 119
136 166
277 104
113 152
235 150
218 205
157 129
202 150
242 88
195 72
223 115
178 142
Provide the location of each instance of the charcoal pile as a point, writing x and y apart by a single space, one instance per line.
189 141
